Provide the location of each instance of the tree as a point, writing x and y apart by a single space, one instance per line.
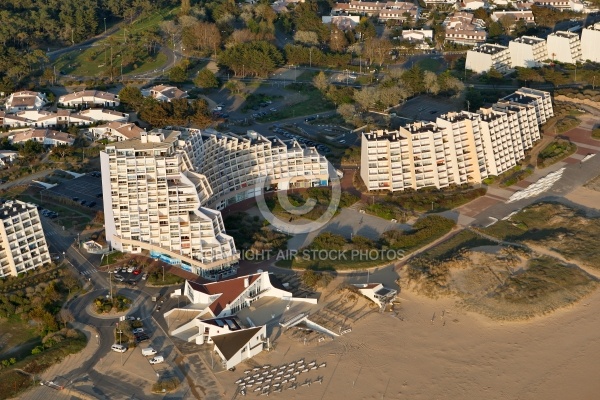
337 39
320 81
494 76
206 79
185 7
557 78
177 74
65 316
430 80
306 37
253 58
495 29
235 86
529 75
30 149
132 96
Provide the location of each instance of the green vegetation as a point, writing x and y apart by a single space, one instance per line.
423 232
321 196
254 100
512 176
315 279
312 102
166 385
465 239
429 64
556 151
155 277
402 205
564 119
253 233
596 133
117 303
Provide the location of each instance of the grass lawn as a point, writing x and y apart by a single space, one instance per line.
16 337
596 133
430 64
313 103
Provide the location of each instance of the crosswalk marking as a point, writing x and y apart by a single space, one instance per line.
89 271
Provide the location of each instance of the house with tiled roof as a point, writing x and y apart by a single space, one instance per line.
45 136
117 131
227 297
102 114
165 93
25 100
89 98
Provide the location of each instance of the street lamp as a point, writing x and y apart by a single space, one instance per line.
104 25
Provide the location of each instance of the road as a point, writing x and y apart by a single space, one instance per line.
87 378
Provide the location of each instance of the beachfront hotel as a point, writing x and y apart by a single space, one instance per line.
23 245
458 148
158 189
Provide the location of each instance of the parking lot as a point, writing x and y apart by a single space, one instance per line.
426 108
281 131
129 275
85 190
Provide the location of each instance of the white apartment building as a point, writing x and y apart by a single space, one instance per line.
239 168
459 148
564 47
41 119
574 5
527 52
483 58
153 201
160 183
590 43
22 242
521 15
25 100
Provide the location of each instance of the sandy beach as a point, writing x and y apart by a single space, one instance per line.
460 355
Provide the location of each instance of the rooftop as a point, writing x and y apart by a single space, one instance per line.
13 208
490 49
230 343
229 290
564 34
529 40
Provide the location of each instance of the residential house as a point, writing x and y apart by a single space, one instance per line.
117 131
472 5
102 114
384 11
88 99
341 21
25 100
521 15
43 135
165 93
463 28
7 157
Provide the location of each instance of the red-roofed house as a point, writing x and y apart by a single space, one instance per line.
227 297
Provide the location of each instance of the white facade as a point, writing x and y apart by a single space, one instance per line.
564 47
521 15
459 148
228 297
89 98
117 131
376 292
463 28
590 43
25 100
22 242
161 184
238 346
239 168
487 56
45 136
47 119
528 52
165 93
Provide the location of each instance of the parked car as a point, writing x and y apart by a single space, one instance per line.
142 338
130 269
99 195
91 204
119 348
157 360
148 351
130 318
138 330
145 276
137 271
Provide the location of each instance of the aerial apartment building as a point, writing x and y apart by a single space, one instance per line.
161 184
564 46
590 42
239 168
527 51
459 148
483 58
384 10
22 242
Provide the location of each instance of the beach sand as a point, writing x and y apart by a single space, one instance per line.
461 355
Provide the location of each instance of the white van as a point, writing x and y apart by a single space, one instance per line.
148 351
119 348
157 360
